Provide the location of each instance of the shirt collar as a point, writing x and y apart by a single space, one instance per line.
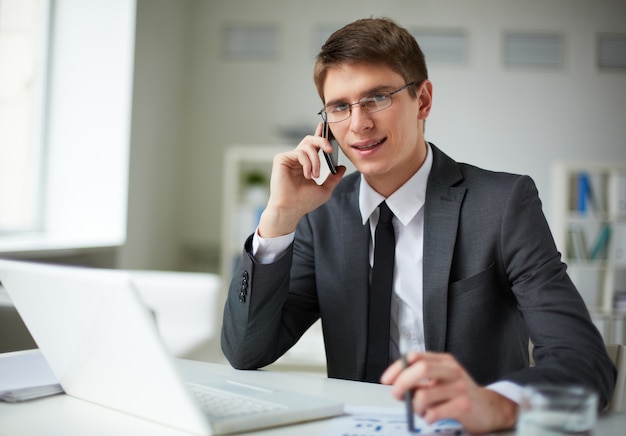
406 201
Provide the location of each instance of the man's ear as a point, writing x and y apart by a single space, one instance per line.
425 96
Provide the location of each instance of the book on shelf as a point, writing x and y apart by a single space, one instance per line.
601 247
578 248
577 243
588 192
584 193
598 191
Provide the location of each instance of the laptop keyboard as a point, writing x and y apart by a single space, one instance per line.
219 404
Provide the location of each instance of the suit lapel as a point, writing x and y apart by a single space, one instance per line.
441 220
355 274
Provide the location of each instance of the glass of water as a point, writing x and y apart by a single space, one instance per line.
547 410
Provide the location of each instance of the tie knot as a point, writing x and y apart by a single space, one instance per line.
385 213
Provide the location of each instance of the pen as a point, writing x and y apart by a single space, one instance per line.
408 401
408 395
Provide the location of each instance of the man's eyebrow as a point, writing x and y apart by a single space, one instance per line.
379 88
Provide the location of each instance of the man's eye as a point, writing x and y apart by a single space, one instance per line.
377 98
338 108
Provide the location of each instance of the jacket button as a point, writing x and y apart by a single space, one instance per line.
243 292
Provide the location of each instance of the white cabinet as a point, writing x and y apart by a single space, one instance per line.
247 170
590 232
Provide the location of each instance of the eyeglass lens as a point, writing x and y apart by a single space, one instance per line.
369 104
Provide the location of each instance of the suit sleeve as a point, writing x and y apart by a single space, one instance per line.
567 346
258 327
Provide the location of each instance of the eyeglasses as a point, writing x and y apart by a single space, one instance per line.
369 104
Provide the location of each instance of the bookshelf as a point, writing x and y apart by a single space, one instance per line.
247 170
590 232
242 199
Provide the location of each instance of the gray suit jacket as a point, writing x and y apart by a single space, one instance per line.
492 279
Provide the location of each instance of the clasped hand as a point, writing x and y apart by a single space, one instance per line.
442 389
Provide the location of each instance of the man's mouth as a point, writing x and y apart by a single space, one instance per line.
365 146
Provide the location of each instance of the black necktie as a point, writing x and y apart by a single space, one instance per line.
380 297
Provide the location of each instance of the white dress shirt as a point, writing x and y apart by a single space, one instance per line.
407 205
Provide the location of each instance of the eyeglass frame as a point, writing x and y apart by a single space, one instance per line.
324 114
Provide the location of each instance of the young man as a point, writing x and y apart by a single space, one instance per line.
476 271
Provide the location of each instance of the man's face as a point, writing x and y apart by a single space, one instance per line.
388 146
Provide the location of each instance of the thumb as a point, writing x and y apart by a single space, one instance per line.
333 179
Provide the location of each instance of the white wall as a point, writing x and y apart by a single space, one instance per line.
157 150
191 103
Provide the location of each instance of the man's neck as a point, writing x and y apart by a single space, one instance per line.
388 184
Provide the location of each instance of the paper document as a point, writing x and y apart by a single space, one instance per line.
25 375
386 421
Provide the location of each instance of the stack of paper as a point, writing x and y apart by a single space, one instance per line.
25 375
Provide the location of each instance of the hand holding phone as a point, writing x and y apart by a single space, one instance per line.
331 158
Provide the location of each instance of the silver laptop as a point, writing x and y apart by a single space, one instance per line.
102 344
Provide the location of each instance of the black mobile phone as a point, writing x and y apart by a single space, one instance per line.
331 158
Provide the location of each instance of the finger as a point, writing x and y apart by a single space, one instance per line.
325 145
301 159
426 369
309 163
438 394
311 145
394 370
455 408
333 179
391 373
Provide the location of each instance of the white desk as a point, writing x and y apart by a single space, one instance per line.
66 416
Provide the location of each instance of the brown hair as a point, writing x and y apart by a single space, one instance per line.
372 41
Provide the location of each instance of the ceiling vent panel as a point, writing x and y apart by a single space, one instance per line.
612 51
533 50
443 46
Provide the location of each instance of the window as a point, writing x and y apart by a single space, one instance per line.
71 192
23 32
